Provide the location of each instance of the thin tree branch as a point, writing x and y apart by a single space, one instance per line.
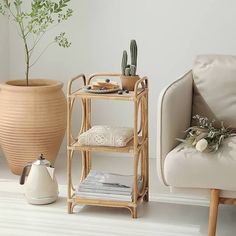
40 37
21 24
37 41
36 60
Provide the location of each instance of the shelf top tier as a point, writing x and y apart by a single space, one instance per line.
141 88
109 96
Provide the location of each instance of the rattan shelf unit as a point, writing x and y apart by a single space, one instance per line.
137 147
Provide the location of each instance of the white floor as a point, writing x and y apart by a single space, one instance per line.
155 218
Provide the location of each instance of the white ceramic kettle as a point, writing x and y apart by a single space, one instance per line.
41 186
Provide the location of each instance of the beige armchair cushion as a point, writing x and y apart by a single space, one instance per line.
215 87
186 167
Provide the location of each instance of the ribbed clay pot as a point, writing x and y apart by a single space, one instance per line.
32 120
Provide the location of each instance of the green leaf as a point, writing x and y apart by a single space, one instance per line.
62 41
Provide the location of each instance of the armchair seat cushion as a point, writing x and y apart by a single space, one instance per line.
188 168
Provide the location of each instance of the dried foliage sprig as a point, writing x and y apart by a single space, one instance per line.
205 136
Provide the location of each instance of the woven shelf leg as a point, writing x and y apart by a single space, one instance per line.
84 166
146 148
69 208
146 197
134 212
136 160
88 161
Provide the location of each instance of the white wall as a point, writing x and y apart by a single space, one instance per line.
169 34
4 46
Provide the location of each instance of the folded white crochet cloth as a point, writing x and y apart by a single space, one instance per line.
106 136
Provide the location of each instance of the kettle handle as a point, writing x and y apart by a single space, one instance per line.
24 172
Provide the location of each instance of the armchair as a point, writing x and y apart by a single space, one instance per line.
209 89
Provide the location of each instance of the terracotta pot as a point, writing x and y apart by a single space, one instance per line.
32 120
128 82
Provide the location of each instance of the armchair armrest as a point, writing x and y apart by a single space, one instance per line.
174 116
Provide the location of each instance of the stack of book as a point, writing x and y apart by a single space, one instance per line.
107 186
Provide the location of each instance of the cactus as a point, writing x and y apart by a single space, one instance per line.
124 62
134 54
130 70
127 71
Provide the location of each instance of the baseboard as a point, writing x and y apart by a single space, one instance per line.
177 199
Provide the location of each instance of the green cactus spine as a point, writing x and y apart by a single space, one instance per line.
134 54
124 62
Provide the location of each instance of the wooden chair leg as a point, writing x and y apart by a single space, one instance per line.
213 212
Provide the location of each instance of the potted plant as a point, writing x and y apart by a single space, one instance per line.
129 77
33 111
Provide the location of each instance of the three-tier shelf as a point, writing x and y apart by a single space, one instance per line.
137 147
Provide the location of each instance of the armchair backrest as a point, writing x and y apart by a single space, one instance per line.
214 88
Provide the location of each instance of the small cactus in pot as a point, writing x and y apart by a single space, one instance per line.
129 77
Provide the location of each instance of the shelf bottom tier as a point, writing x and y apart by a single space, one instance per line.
109 190
130 205
106 203
108 186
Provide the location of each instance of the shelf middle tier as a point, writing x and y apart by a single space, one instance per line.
129 148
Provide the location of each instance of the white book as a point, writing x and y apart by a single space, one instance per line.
102 187
105 196
110 179
103 191
107 186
